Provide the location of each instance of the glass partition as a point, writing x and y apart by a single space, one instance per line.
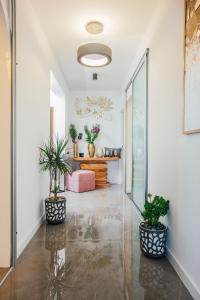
137 142
139 178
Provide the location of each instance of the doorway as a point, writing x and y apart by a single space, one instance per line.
57 117
57 109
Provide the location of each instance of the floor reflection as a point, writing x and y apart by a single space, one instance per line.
93 256
58 269
75 228
160 281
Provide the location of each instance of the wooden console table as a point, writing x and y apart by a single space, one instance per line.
99 166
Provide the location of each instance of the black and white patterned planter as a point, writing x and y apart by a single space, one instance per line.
55 210
153 242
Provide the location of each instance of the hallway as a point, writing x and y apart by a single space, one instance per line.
93 256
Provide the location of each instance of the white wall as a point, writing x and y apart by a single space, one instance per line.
174 159
111 130
35 62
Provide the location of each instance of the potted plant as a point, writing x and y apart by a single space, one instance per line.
73 134
54 160
153 234
91 136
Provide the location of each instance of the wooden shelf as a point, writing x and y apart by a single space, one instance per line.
96 159
99 166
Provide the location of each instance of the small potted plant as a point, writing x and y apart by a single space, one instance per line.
153 234
54 160
73 134
91 136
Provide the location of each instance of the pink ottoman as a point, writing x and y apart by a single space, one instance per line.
80 181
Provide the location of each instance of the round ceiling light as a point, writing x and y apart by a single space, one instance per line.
94 27
94 55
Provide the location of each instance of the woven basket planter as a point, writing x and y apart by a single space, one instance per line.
55 210
152 241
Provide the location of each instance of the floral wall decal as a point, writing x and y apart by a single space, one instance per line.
93 106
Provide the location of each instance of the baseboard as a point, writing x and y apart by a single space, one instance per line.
191 286
115 183
22 245
5 277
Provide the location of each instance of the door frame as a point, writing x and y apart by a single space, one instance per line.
13 143
11 18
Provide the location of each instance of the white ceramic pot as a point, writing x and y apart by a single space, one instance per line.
99 152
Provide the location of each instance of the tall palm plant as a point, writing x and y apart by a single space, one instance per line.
54 160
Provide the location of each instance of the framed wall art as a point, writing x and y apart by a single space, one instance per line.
192 67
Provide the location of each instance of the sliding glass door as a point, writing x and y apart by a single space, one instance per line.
128 135
139 161
139 179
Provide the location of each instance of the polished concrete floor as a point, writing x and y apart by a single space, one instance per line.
93 256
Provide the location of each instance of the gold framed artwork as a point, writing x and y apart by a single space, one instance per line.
192 67
98 107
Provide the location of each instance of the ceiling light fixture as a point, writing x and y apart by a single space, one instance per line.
94 55
94 27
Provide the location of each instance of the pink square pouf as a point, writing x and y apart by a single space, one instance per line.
80 181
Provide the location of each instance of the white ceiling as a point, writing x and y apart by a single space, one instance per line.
125 22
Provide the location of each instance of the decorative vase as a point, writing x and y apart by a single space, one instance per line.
99 152
75 148
55 210
153 241
91 150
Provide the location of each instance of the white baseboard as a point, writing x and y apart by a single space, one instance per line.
4 279
22 244
191 286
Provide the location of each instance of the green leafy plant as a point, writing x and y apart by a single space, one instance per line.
155 207
92 134
73 132
53 159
